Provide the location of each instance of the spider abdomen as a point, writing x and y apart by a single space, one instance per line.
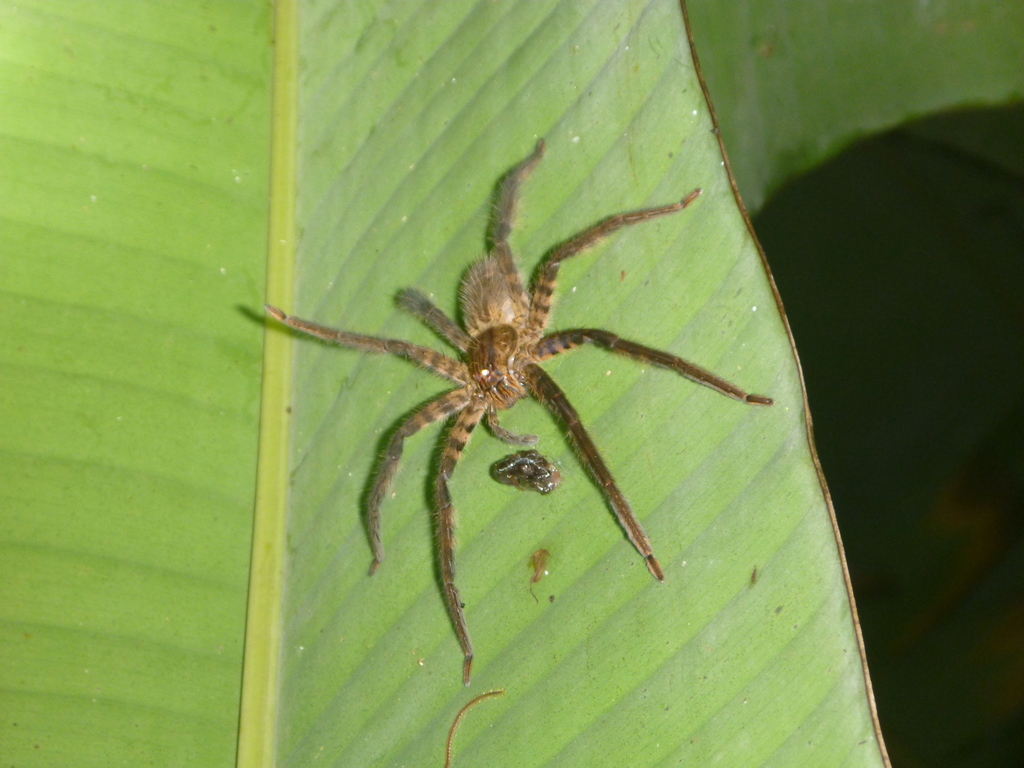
494 365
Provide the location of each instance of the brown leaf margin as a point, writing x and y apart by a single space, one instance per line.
827 497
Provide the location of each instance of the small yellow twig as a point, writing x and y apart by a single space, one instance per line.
458 719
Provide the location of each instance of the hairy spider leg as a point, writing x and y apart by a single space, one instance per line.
454 445
544 388
423 356
504 435
564 341
540 305
436 410
418 304
504 220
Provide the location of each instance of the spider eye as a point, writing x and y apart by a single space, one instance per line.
490 378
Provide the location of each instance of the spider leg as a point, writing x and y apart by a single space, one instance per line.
423 356
563 341
419 305
540 306
504 435
456 442
436 410
505 213
509 194
550 394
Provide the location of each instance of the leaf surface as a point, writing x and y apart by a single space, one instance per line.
133 146
608 666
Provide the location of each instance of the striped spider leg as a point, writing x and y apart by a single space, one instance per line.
501 347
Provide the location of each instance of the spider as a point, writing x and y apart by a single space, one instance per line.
502 346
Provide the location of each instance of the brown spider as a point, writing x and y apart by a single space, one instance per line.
502 346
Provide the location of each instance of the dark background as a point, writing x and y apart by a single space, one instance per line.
901 266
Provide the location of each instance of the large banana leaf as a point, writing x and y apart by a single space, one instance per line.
135 142
395 187
133 185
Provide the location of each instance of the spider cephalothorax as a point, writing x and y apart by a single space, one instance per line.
496 361
503 344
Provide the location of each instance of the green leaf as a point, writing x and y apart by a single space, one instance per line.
406 124
133 146
796 82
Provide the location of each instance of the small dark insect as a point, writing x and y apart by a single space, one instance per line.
502 346
458 719
753 576
527 470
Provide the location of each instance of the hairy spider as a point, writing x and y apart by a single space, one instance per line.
502 346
